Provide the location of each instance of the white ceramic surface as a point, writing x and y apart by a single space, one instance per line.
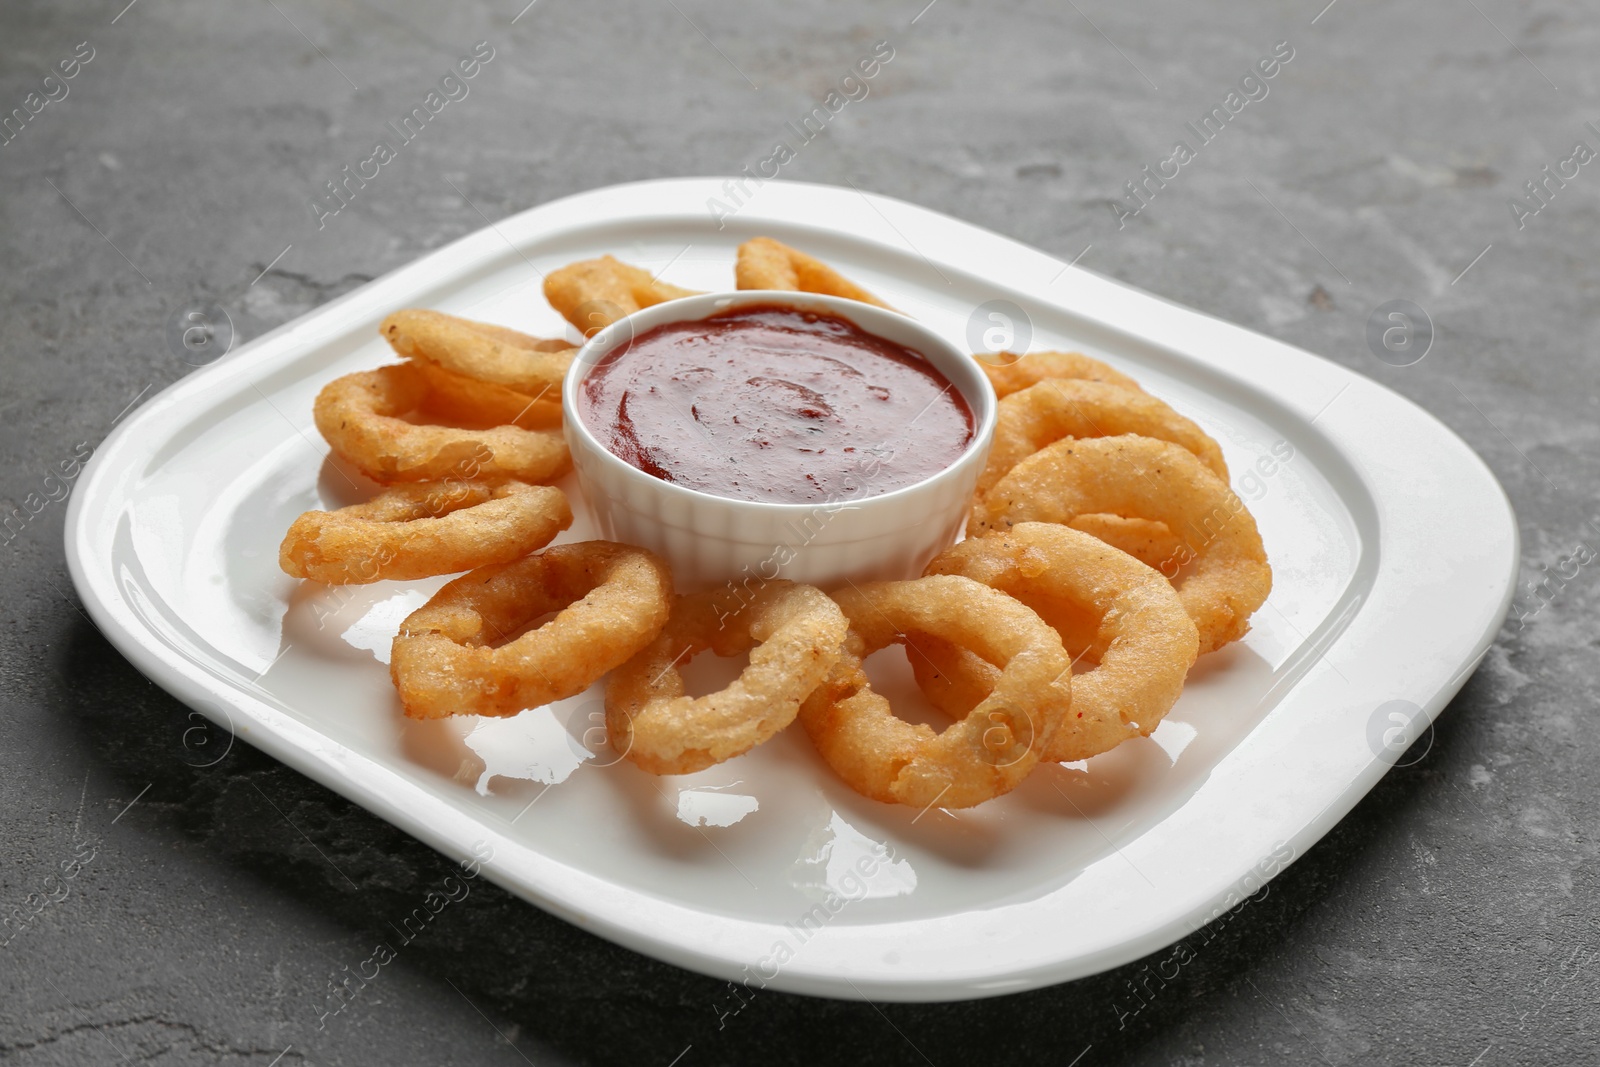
1393 547
711 540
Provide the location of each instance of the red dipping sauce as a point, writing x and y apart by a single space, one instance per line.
770 403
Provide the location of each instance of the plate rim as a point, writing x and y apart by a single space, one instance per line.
720 945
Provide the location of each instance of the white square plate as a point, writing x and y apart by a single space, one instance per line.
1394 552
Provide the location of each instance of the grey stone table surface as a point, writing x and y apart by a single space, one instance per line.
163 912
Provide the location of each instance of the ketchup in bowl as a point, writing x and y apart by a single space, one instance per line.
774 404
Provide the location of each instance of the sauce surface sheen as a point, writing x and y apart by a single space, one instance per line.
773 404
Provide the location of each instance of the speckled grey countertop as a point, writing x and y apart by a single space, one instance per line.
1450 919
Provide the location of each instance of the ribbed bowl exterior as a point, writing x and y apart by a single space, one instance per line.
710 540
707 543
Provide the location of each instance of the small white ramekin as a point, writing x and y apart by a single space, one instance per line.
712 540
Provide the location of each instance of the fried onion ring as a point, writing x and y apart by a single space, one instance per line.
1148 642
983 755
794 635
518 339
469 402
1010 373
1146 540
1225 576
594 293
611 600
1042 414
416 531
767 264
359 416
478 350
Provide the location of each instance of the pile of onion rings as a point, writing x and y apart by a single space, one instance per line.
1102 535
